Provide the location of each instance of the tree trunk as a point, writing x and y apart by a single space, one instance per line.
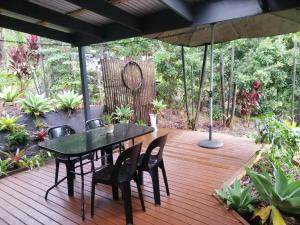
1 46
230 81
202 78
184 86
46 83
222 88
293 79
233 106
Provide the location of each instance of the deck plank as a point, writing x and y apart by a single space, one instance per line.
193 174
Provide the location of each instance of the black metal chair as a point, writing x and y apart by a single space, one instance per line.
94 123
108 152
61 131
151 163
120 175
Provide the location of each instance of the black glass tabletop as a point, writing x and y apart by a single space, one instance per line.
89 141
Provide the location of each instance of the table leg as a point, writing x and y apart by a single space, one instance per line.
82 190
70 176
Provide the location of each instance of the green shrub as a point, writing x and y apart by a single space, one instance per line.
217 113
158 106
17 137
9 123
35 105
108 119
140 123
123 113
237 198
9 94
4 166
69 100
282 195
36 160
283 138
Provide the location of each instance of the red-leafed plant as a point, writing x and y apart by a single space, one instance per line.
248 101
41 135
19 64
24 59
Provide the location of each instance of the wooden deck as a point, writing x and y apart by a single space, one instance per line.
193 174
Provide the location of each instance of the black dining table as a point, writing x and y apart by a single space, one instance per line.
86 144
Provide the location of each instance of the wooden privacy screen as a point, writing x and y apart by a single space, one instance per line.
117 93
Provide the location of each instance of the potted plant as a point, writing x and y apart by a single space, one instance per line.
108 123
158 106
123 113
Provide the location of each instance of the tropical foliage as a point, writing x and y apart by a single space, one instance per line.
237 198
108 119
123 113
284 139
4 166
158 106
69 100
35 104
17 137
9 94
282 197
8 123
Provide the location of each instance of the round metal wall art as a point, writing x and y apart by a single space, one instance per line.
132 76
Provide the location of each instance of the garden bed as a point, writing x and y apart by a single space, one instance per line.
28 154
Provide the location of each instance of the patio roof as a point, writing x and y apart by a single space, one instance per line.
82 22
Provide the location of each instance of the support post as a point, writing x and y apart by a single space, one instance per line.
84 82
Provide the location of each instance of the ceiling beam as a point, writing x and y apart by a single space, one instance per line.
110 11
219 11
180 7
31 28
47 15
276 5
166 20
153 23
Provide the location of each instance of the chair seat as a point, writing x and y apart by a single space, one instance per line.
104 175
152 161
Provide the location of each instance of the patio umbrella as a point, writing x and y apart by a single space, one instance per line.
262 25
211 143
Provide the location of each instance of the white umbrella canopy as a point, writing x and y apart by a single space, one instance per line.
262 25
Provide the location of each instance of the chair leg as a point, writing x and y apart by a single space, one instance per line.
137 181
56 170
155 183
115 192
162 166
102 157
141 177
93 198
127 202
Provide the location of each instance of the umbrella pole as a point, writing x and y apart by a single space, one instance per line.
210 143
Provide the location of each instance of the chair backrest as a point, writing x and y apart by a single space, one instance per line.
156 143
126 164
60 131
94 123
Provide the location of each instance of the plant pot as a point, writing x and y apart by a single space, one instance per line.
153 121
124 121
109 128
